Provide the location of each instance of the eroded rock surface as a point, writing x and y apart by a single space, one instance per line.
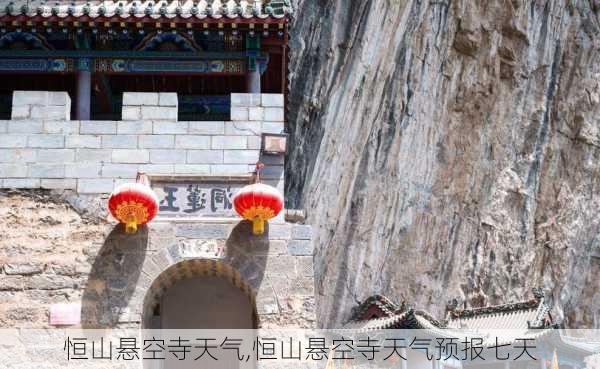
449 149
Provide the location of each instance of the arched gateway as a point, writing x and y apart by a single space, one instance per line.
200 294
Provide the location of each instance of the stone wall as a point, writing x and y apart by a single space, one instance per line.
38 151
56 251
44 105
50 254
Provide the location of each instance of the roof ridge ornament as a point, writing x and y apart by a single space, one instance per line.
538 293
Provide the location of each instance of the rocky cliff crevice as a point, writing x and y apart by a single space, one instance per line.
448 149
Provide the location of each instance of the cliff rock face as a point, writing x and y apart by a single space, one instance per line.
449 148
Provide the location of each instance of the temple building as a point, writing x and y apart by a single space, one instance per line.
190 93
501 331
96 50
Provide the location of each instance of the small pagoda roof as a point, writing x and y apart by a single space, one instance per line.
226 11
378 312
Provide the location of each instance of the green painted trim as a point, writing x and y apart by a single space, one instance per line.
120 54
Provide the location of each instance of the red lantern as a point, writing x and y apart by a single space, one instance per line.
258 203
133 204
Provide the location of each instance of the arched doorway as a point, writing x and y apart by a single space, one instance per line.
199 294
205 303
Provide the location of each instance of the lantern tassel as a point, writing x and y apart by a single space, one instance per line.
131 227
258 226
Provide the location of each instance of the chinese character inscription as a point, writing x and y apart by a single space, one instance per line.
191 198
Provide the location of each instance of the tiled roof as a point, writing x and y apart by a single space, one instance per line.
521 315
381 302
514 319
131 10
495 325
396 319
375 324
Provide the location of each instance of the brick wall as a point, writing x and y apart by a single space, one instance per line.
41 148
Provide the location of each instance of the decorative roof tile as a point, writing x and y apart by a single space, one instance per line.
133 9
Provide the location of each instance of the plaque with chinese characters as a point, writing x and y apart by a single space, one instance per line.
197 197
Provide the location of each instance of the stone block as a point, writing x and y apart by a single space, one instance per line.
30 98
23 268
267 305
93 155
240 156
119 141
83 141
46 141
140 98
274 114
59 184
55 155
20 112
281 266
206 231
61 127
273 127
273 159
119 170
192 169
205 156
51 112
256 114
161 128
59 98
85 170
300 247
131 113
13 170
157 169
97 127
94 185
11 283
120 181
47 170
21 183
168 156
12 141
300 286
272 100
272 171
302 232
254 143
25 126
243 128
197 142
229 142
159 113
4 126
229 169
305 266
206 128
280 231
139 127
245 100
130 156
167 99
156 141
239 113
17 155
